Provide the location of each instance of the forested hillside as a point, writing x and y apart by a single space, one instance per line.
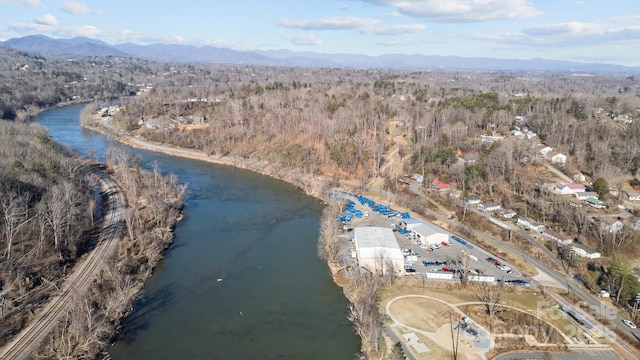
47 209
367 124
30 83
51 208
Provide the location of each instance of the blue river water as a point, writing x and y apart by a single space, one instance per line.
242 279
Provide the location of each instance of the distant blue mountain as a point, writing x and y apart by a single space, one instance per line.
77 47
86 47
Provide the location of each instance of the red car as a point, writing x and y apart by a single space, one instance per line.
444 243
447 270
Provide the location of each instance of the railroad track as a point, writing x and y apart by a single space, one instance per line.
78 282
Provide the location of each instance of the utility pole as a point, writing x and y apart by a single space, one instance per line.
454 340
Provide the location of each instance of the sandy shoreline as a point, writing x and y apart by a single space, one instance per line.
310 184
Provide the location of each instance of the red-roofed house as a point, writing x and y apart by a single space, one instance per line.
439 185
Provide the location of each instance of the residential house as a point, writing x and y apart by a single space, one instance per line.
584 195
561 239
455 194
579 177
585 251
530 224
609 224
507 213
545 150
613 192
595 203
417 178
633 223
568 189
556 157
521 119
489 206
633 195
490 139
438 185
472 200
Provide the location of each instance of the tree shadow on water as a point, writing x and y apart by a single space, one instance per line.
144 308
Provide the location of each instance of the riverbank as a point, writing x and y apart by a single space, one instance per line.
314 186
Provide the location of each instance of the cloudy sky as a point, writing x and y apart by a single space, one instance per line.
576 30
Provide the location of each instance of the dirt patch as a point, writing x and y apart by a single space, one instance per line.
193 127
420 313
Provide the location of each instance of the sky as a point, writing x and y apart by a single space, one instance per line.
604 31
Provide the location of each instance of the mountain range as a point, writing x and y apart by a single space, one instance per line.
86 47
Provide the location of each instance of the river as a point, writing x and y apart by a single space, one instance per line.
242 279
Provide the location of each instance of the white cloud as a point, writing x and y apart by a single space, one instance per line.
330 23
305 39
74 7
626 19
395 29
461 10
565 35
31 3
47 19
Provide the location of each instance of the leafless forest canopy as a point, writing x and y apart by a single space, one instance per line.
368 124
51 208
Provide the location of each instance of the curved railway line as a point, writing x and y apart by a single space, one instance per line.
78 282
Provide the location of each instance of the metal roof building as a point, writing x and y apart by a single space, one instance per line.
377 249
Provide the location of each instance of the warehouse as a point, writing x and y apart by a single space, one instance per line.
377 250
428 234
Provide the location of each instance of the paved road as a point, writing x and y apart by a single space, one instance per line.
78 282
585 354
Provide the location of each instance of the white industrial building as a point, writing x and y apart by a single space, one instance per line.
377 249
428 234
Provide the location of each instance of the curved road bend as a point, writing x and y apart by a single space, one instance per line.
78 282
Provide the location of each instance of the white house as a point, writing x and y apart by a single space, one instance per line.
585 195
557 158
507 213
561 239
633 195
609 224
568 189
545 150
472 200
429 234
489 206
579 177
490 139
377 250
530 224
585 251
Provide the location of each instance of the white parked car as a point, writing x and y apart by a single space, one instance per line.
629 323
504 267
436 246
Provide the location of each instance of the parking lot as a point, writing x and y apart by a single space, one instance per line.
453 257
